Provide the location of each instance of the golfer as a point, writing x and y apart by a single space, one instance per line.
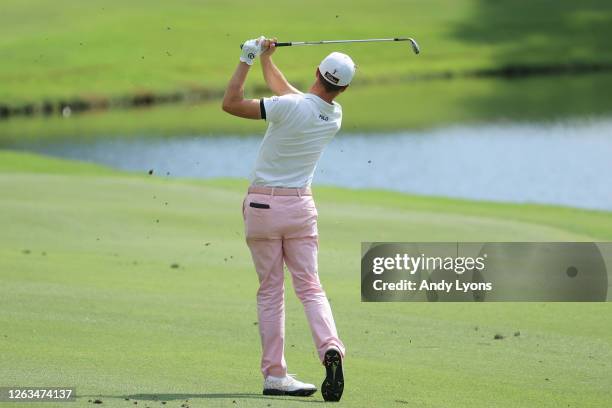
279 212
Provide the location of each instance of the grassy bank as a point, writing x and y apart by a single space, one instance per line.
89 298
367 109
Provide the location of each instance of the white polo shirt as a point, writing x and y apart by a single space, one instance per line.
300 126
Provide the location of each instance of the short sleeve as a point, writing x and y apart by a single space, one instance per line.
278 108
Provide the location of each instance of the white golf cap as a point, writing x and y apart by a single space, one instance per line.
337 69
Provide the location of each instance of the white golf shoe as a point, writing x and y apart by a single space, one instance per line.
287 386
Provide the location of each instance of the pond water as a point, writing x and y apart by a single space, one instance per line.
565 163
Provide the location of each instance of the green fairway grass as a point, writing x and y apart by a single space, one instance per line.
89 298
98 48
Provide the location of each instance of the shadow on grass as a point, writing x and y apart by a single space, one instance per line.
228 395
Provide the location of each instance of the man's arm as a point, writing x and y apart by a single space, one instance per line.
233 100
275 79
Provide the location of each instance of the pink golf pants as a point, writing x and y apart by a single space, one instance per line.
283 230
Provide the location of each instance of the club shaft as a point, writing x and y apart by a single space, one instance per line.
296 43
413 43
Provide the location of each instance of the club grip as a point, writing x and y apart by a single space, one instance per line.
278 44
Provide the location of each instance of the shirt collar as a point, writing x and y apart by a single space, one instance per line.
321 102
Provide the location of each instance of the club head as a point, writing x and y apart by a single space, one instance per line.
415 46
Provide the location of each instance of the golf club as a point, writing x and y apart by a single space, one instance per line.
413 43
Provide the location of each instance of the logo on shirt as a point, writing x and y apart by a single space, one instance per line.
323 117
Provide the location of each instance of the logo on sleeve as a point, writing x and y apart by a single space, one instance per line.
323 117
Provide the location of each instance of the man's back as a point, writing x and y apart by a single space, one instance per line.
301 126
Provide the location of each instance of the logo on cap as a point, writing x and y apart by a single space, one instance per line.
331 78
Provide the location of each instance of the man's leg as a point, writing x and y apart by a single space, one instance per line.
301 258
268 259
300 255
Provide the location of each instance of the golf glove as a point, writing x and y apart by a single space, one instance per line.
251 50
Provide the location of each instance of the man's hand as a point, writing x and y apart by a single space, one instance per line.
268 47
251 50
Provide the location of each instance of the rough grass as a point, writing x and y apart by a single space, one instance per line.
55 51
88 298
105 48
